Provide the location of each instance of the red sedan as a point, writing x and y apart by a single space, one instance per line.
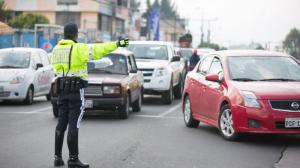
244 91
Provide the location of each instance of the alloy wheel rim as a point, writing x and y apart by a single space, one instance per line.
187 111
226 123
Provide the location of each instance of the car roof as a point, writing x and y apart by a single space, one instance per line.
150 42
122 51
22 49
226 53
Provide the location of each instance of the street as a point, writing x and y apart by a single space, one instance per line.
154 138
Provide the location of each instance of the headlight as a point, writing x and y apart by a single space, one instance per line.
111 89
250 99
161 72
18 79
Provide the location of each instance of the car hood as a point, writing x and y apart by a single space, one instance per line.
270 90
8 74
151 64
106 78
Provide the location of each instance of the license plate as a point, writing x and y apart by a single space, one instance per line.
88 103
292 122
1 89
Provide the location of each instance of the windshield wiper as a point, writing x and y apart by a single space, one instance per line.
144 58
277 79
8 66
243 79
100 70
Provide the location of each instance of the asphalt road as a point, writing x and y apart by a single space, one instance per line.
156 137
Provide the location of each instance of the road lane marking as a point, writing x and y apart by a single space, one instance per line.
170 110
156 116
29 112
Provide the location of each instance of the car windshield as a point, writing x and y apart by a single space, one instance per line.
263 68
14 59
149 51
112 63
187 53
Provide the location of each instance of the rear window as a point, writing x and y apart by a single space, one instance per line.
149 51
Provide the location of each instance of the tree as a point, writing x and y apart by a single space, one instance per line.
4 12
168 11
27 21
292 43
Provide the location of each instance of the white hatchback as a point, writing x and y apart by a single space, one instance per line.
24 74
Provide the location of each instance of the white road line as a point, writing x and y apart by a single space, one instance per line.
29 112
170 110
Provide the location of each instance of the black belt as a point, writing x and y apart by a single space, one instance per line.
68 85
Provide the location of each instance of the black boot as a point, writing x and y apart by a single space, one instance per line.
74 162
58 161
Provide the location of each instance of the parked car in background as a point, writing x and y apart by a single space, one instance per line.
24 74
114 85
163 70
244 91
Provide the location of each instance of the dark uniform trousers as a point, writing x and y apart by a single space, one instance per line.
71 109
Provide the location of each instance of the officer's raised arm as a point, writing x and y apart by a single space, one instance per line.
97 51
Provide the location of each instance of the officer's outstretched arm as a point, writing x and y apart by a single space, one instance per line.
100 50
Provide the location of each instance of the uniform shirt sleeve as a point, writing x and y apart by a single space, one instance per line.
97 51
82 50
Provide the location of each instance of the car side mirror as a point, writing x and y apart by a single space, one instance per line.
133 71
175 58
39 65
212 77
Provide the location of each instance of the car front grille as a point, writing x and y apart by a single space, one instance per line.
281 125
285 105
4 94
147 73
93 90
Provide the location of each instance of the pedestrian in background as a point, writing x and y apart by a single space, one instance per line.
194 59
69 60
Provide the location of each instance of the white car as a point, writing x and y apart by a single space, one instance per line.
162 68
24 74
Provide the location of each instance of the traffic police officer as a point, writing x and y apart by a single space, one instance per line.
69 60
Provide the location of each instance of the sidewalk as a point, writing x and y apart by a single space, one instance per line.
290 158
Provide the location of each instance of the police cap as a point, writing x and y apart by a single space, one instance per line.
70 29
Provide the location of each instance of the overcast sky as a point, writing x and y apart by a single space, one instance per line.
242 21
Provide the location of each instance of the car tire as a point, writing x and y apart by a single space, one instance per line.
137 105
178 90
29 96
167 96
123 110
48 97
226 124
188 114
55 110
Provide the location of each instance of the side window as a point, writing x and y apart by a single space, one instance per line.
216 66
129 64
36 58
205 65
44 58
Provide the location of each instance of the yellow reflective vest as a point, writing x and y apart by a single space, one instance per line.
81 54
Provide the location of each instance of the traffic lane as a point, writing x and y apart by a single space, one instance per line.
140 141
39 104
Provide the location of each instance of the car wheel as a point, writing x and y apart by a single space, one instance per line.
167 96
137 105
55 110
188 114
178 90
124 109
29 96
226 124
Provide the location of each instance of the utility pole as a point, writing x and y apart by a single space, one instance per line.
208 29
202 24
175 26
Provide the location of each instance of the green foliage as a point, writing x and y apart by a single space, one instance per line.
212 45
4 12
27 21
168 10
292 43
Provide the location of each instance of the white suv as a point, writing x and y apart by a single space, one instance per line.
163 70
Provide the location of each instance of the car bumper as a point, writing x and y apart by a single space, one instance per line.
157 84
13 91
266 120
